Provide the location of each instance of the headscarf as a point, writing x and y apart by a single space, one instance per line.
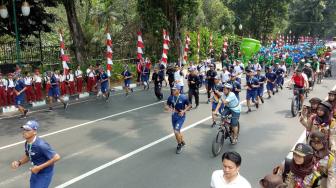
304 169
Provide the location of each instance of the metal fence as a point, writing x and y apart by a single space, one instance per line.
32 52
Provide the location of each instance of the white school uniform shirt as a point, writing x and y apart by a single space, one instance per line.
218 181
78 73
178 78
11 83
28 81
62 78
70 77
3 82
89 73
37 79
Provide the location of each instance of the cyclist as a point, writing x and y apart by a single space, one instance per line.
231 106
309 72
315 66
299 84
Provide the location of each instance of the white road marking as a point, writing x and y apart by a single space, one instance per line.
102 167
86 123
93 98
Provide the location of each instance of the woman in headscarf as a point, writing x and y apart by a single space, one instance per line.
324 159
299 172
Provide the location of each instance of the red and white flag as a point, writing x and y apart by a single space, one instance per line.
64 58
186 49
225 45
109 54
210 41
165 47
140 46
198 46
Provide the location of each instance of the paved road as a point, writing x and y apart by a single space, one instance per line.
130 140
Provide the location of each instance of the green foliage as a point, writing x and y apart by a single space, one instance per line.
314 17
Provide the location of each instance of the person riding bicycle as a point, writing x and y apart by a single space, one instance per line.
309 72
299 83
315 66
231 106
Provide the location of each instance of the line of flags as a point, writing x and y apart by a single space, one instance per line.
280 39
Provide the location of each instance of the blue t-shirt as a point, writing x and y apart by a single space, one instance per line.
179 103
271 76
261 79
279 71
252 81
103 77
126 73
19 85
233 103
40 152
53 81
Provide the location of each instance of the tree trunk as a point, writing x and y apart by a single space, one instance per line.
75 30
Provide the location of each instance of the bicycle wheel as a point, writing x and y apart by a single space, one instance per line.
294 107
218 142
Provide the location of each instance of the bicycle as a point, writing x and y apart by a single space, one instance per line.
224 132
296 102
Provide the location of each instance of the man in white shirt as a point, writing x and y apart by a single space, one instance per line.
238 69
225 75
229 176
179 78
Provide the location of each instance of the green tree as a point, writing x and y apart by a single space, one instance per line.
260 17
174 15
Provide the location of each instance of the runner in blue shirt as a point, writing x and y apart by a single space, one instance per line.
252 85
271 77
54 92
178 104
104 84
19 90
127 75
236 86
260 90
40 154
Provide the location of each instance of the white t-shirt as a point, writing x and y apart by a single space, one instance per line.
178 78
238 70
225 76
284 68
218 181
37 79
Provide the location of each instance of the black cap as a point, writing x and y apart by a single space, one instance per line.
326 104
303 150
317 136
333 92
315 100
